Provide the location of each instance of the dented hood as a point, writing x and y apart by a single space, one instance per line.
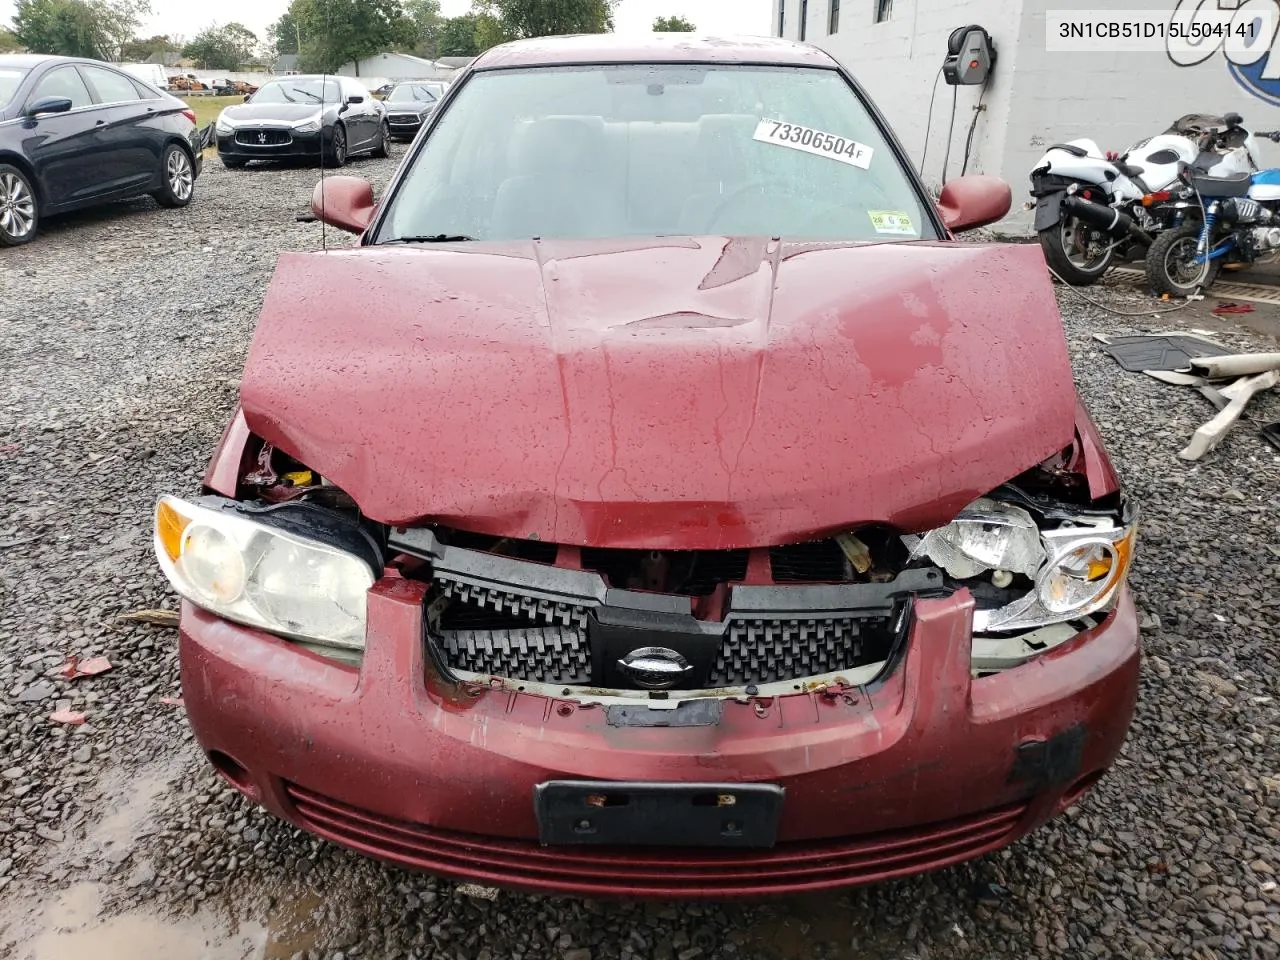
667 394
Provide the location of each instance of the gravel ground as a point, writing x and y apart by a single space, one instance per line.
121 338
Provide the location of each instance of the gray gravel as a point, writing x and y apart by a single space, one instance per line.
121 340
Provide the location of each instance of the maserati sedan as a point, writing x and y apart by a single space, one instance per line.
320 118
658 500
77 133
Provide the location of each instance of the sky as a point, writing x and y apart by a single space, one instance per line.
185 18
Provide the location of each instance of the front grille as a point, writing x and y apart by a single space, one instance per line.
263 138
792 866
496 633
522 615
403 119
762 651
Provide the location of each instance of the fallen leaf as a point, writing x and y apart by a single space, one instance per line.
161 618
73 717
74 667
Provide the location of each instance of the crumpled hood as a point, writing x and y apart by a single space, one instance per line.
704 393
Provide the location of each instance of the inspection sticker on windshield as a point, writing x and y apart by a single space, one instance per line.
892 221
814 141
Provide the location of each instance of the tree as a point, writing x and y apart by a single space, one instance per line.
78 28
457 36
545 18
8 42
673 25
283 35
336 32
222 48
425 15
139 50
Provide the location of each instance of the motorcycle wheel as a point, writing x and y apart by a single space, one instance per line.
1065 247
1169 267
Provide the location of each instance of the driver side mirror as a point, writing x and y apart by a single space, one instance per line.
344 202
47 105
974 201
355 99
248 97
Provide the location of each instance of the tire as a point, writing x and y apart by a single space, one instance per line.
336 154
233 163
384 139
178 175
1056 241
1164 273
19 207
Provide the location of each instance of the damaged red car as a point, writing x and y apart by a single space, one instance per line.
658 500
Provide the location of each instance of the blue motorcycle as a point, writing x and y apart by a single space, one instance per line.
1219 220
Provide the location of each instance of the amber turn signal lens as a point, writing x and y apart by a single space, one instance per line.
170 525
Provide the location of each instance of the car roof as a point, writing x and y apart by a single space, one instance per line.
29 60
652 48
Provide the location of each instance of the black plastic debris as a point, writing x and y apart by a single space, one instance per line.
1165 351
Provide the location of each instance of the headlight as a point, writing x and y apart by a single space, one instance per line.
256 571
1071 570
224 125
307 126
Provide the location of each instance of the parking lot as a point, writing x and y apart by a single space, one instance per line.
122 333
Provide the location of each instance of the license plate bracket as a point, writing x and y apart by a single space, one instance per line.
610 813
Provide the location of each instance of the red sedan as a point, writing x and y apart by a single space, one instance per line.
658 500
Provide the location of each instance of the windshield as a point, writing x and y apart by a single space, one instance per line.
10 77
299 90
656 150
425 92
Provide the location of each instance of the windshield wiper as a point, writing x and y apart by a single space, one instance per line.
308 93
433 238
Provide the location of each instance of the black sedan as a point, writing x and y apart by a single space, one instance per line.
300 117
409 104
75 133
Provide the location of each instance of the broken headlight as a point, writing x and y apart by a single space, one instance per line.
288 574
1050 571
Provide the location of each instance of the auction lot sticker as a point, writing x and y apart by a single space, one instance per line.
892 221
817 142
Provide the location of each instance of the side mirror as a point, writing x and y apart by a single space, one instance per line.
344 202
248 97
47 105
355 99
975 201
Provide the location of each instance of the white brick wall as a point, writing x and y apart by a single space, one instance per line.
1034 97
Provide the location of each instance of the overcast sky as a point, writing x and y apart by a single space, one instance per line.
187 17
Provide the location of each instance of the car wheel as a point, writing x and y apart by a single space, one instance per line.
19 208
178 176
384 141
337 154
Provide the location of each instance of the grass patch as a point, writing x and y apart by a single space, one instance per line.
208 108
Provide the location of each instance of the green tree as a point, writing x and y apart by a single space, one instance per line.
336 32
457 36
118 21
70 28
283 35
9 42
545 18
427 22
222 48
139 50
673 25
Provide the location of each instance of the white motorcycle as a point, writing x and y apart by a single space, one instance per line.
1093 208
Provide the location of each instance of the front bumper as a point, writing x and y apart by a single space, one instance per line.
925 769
300 146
